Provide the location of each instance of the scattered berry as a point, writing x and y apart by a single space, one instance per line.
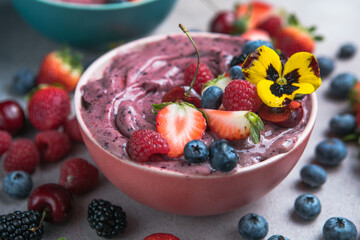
108 220
238 60
72 128
22 155
346 51
341 85
223 157
78 176
178 94
53 145
251 46
343 124
161 236
17 184
212 98
272 24
255 35
330 152
253 226
196 151
241 95
326 66
5 141
223 22
338 228
21 225
307 206
12 117
203 76
313 175
48 108
53 198
144 143
278 237
23 81
254 12
235 72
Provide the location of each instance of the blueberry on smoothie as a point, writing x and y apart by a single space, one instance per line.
238 59
343 124
251 46
196 151
313 175
346 51
278 237
253 226
339 228
223 157
212 98
330 152
235 72
326 66
341 85
307 206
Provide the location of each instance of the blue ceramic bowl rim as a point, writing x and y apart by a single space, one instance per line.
96 7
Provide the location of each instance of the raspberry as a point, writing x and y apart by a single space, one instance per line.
145 142
204 75
53 145
5 141
22 155
241 95
78 176
72 128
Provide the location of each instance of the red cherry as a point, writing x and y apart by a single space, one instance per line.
53 198
296 114
223 22
12 117
177 94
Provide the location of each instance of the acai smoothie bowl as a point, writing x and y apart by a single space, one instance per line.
197 130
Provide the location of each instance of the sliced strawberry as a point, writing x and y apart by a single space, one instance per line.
256 34
179 123
256 11
234 125
161 236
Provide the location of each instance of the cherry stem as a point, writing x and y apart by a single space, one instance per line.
43 215
188 92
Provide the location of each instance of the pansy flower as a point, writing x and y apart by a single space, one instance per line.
277 83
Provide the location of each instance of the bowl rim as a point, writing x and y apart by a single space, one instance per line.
96 7
88 75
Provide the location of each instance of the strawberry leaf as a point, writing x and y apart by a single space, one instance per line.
318 38
256 125
293 20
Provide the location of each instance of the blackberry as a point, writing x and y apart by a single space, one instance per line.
238 59
21 226
108 220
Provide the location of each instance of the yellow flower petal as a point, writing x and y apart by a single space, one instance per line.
304 88
263 63
265 93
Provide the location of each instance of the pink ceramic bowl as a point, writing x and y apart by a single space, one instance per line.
192 195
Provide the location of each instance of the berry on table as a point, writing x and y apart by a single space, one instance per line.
343 124
53 145
330 152
17 184
341 85
5 141
307 206
12 117
203 76
272 24
223 22
161 236
22 155
212 98
253 226
326 66
313 175
107 219
78 176
223 157
251 46
196 151
23 81
235 72
72 128
346 51
278 237
339 228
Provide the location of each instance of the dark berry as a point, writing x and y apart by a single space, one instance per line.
223 156
278 237
5 141
307 206
235 72
23 82
251 46
239 59
296 114
12 117
346 51
53 145
253 226
196 151
223 22
341 85
326 66
178 94
330 152
212 98
313 175
338 228
108 220
343 124
18 184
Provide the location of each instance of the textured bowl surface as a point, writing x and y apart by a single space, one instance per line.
192 195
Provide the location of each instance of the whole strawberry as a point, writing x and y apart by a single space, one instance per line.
78 176
272 24
60 67
53 145
203 76
48 108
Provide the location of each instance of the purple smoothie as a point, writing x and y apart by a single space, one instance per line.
119 103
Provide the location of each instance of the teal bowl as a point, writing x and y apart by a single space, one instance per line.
96 25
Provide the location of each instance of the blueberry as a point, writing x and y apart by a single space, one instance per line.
313 175
222 156
23 82
330 152
338 228
212 98
341 85
326 66
251 46
196 151
238 59
277 237
346 51
307 206
235 72
343 124
17 184
253 226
